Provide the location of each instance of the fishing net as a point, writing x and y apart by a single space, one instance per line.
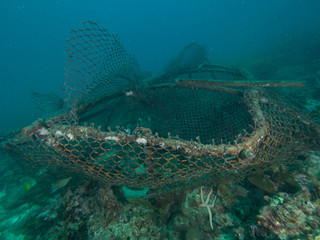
196 123
48 105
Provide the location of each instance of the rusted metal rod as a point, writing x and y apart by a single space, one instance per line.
82 108
209 83
210 88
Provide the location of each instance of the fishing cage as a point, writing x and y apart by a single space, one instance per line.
196 123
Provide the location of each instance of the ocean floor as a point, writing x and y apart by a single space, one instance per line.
92 210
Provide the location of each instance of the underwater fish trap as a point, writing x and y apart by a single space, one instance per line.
180 129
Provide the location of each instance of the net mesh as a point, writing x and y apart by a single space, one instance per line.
184 113
48 105
98 64
160 136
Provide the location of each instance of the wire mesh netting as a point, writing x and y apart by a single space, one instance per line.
98 64
165 131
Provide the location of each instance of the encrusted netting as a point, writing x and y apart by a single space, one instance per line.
189 114
144 159
175 134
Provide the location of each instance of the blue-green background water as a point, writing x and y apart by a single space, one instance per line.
33 34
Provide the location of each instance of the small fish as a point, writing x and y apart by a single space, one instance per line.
59 184
27 186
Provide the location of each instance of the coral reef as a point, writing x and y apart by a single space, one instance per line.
92 210
289 216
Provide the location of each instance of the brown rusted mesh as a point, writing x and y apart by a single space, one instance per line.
183 133
144 159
